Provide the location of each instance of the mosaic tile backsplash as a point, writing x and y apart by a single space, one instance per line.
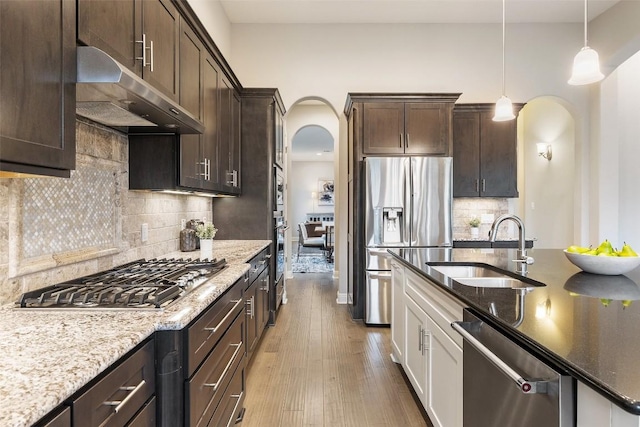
79 209
56 229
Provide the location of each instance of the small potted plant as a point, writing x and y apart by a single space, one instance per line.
474 223
206 232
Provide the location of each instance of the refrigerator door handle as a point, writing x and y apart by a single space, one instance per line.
408 202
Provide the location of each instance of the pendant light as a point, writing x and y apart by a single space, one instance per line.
504 108
586 64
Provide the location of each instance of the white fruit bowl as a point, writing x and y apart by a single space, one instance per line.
608 265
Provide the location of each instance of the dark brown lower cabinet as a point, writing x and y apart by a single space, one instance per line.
117 398
58 418
197 365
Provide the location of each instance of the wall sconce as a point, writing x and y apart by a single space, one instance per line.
543 309
544 150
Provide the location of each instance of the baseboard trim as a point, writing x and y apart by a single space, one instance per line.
341 298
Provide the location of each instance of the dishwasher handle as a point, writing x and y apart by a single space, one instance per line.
532 386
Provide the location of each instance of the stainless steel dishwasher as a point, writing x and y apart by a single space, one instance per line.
505 385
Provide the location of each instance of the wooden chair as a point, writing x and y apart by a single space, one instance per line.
328 242
308 242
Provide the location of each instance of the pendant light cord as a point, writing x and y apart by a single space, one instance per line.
503 42
585 23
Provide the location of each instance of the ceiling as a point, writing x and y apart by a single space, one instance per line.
408 11
314 139
312 144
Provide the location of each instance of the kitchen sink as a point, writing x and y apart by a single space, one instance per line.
493 282
480 276
459 271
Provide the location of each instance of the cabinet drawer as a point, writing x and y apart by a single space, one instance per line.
442 308
205 332
230 407
146 417
205 390
258 263
115 399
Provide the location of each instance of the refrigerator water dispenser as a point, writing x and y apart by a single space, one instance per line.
392 225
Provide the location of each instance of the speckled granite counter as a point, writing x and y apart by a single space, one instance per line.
588 331
46 356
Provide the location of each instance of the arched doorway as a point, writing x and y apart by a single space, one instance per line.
548 184
312 127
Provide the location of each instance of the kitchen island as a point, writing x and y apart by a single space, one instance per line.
585 324
48 355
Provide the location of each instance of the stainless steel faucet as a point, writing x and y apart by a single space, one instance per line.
522 259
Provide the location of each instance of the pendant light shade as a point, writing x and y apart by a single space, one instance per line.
586 67
504 108
586 64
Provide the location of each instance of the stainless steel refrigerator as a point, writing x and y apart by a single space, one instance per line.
408 204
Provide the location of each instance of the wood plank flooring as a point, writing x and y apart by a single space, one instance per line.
317 367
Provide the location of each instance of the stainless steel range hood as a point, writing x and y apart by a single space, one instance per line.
109 93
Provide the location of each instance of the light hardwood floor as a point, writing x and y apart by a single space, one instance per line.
317 367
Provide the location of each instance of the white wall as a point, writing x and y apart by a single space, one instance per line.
548 205
618 150
303 180
329 61
215 20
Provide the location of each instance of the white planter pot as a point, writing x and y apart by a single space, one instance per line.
206 249
475 232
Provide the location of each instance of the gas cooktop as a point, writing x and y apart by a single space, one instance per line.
141 284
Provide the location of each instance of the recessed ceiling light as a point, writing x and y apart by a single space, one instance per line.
318 154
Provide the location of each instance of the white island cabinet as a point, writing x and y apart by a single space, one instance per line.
595 410
426 346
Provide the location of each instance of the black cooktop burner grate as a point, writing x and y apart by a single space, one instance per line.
139 284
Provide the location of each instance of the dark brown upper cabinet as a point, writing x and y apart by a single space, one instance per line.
197 163
407 128
484 152
37 87
142 35
229 137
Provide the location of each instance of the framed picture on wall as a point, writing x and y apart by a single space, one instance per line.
325 192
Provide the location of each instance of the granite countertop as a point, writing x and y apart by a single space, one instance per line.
46 356
588 331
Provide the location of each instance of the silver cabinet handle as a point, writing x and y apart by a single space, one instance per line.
426 341
224 319
144 50
120 403
477 185
406 142
401 143
420 337
526 386
232 421
204 167
250 309
151 59
226 368
232 178
484 185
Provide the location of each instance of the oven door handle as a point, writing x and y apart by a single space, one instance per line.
526 386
